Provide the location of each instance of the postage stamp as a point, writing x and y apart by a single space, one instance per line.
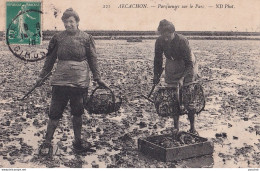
23 22
24 30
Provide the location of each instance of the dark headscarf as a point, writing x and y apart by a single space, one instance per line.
166 26
68 13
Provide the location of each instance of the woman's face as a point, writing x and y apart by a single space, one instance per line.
71 24
167 36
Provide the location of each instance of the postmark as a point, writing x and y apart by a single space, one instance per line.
24 30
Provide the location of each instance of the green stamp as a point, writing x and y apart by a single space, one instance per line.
23 23
24 31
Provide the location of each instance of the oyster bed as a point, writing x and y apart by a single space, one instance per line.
230 118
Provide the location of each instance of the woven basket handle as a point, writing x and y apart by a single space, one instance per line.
102 87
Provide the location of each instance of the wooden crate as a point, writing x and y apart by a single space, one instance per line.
204 147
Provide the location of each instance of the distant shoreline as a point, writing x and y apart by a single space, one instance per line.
192 35
154 33
188 37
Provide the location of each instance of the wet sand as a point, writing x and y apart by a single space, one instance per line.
232 107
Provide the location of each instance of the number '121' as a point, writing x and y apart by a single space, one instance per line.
106 6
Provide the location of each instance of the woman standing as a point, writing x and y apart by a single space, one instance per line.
76 53
180 66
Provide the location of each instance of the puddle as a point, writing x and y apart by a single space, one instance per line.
95 158
238 137
198 162
30 138
18 164
121 116
6 101
213 103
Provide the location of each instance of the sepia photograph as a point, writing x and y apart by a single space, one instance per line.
129 84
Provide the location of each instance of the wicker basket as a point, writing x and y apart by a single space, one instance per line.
102 103
167 103
193 98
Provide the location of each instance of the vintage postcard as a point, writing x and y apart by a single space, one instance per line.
129 84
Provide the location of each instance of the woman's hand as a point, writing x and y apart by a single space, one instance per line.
156 80
181 82
101 83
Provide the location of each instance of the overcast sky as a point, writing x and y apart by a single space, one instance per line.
245 16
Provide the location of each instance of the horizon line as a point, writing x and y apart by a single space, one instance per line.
157 31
